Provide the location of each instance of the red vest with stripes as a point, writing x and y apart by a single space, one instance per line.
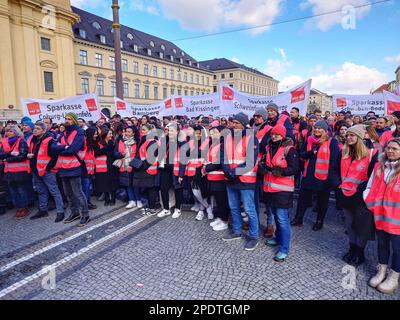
22 166
121 149
353 173
384 201
69 162
153 169
323 159
43 157
89 159
195 163
213 157
101 162
278 184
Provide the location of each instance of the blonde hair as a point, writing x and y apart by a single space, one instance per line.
358 151
372 133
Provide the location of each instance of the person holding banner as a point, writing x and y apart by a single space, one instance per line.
274 119
321 174
17 169
69 164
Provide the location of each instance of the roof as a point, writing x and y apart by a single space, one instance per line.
381 88
398 68
95 26
224 64
314 91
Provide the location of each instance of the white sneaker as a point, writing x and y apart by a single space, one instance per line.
195 207
139 204
177 213
220 226
164 213
215 222
200 215
131 204
210 214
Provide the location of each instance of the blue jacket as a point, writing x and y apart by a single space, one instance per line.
73 149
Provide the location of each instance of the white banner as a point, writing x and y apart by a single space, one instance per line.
84 106
359 104
126 109
234 101
194 106
392 102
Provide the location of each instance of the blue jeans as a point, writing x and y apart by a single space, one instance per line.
258 198
247 198
87 185
45 185
133 193
283 230
19 194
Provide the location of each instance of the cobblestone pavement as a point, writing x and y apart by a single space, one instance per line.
123 255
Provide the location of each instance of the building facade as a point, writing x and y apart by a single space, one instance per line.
319 101
240 77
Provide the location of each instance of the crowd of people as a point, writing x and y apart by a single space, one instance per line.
226 167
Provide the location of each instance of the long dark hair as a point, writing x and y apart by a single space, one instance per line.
103 134
89 137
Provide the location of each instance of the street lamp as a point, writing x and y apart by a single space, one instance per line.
117 48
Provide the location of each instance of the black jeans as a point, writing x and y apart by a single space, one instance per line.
221 198
151 194
166 183
305 201
384 241
73 190
354 238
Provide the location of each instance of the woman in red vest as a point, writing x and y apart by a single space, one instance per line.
382 197
145 168
279 166
106 175
356 166
389 135
90 164
321 173
16 168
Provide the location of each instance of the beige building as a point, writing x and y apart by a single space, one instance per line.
397 72
240 77
51 51
319 100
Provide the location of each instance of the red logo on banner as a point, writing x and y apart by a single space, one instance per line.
91 104
121 105
178 103
392 106
227 93
341 102
33 108
168 104
298 95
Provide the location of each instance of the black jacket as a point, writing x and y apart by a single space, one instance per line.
23 153
53 152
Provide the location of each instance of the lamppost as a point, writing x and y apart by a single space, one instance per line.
117 48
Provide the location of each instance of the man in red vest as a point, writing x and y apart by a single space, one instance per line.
43 152
274 118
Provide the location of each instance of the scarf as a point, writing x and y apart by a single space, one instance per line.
12 140
129 142
313 140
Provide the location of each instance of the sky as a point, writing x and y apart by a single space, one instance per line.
351 51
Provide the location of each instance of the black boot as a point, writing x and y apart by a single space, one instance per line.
60 217
318 225
107 199
296 222
39 214
358 258
112 201
91 206
349 255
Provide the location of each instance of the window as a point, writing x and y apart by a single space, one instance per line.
164 73
179 76
215 77
82 33
231 75
162 55
96 25
48 82
172 58
185 78
100 87
135 48
45 44
85 85
179 92
146 92
183 54
172 74
215 89
152 44
126 89
208 81
156 93
202 80
137 94
174 51
122 45
222 76
113 88
162 47
191 77
164 93
103 39
197 79
186 93
191 92
83 57
149 52
124 65
135 67
172 91
99 60
198 92
129 36
146 70
112 63
155 71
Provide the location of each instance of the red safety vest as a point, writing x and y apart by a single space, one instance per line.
237 155
262 132
89 159
43 157
385 138
353 173
278 184
22 166
323 159
153 169
69 162
101 162
194 164
121 148
384 201
213 157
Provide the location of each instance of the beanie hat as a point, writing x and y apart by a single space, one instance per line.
14 128
41 124
279 129
261 112
322 124
73 116
273 106
28 123
25 119
358 130
242 118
